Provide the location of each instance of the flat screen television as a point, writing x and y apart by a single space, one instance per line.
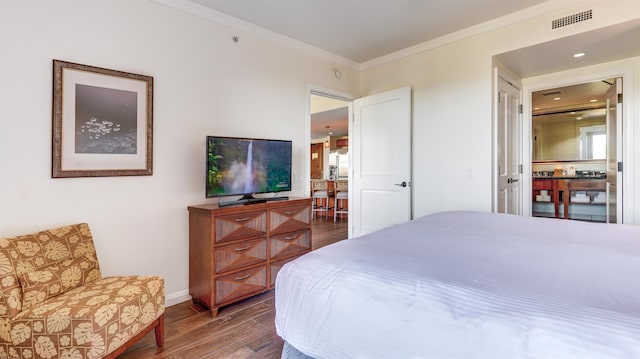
246 166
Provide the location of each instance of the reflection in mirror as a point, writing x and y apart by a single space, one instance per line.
573 135
569 123
593 142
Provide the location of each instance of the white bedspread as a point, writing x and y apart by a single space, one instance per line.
468 285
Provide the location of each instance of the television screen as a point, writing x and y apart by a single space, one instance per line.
243 166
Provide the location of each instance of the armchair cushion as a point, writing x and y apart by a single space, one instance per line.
88 321
35 252
38 286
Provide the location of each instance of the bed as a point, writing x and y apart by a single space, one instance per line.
466 285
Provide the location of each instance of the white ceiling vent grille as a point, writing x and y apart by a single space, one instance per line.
572 19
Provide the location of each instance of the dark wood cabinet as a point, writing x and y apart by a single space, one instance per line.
560 190
235 252
317 160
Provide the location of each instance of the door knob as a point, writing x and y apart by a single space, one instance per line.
403 184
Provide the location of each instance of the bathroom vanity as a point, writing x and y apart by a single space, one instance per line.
577 197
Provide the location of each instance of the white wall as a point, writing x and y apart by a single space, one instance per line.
451 129
452 104
205 84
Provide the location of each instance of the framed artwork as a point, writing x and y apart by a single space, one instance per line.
102 122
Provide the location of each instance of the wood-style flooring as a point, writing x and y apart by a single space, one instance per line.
242 330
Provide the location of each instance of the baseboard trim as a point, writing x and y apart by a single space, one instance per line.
176 298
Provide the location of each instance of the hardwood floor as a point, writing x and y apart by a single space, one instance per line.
242 330
326 231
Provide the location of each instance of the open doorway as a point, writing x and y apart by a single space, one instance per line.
329 166
379 133
575 133
329 137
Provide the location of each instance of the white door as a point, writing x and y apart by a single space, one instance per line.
380 145
508 146
614 151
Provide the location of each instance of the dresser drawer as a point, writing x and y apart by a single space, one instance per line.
243 225
240 284
288 244
289 218
586 185
539 184
240 254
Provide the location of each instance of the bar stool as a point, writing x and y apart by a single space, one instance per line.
320 189
342 194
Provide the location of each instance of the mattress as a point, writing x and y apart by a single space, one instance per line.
467 285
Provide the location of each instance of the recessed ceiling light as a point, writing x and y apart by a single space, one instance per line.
556 98
572 113
579 54
594 100
579 118
536 108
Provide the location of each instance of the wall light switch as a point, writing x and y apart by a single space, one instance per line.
468 173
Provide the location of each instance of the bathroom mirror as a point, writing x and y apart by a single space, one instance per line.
570 136
569 123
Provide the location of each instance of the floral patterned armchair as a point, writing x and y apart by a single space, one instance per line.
54 302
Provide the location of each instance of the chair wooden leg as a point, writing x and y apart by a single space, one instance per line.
157 324
160 331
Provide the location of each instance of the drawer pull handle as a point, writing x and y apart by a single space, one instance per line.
243 277
290 238
242 249
242 219
290 212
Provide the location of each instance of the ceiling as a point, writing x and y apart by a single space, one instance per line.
605 44
584 101
588 95
361 31
362 34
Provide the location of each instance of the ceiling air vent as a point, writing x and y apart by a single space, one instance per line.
572 19
552 93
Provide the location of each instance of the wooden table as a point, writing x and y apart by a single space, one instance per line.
565 186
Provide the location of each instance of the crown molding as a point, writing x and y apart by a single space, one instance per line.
487 26
230 21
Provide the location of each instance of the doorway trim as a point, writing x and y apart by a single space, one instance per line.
500 71
623 69
321 91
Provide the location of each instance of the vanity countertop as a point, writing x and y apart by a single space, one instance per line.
571 177
580 174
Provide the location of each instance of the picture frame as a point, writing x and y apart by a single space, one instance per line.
102 122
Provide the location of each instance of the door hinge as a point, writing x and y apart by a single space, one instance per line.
499 97
520 169
520 109
619 98
619 166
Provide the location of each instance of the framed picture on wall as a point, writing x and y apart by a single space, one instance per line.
102 122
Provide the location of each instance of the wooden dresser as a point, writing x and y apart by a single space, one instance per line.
235 252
